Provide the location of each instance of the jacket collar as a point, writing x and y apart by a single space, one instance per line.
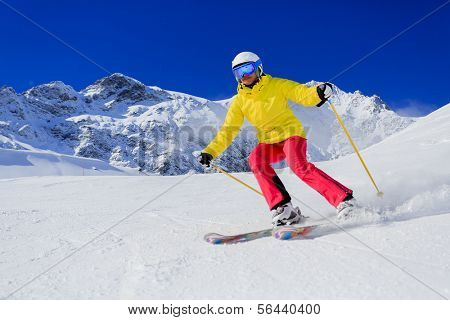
241 89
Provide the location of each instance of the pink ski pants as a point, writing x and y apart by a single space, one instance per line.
293 150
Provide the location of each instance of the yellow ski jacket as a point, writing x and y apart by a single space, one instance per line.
266 107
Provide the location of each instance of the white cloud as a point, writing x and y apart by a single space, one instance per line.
412 108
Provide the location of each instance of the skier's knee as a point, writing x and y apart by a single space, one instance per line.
254 165
256 162
302 169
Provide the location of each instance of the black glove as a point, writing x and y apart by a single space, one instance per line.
205 159
324 91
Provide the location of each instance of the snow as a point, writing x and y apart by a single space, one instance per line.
21 163
141 237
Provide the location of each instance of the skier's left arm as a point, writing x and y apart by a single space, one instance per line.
304 95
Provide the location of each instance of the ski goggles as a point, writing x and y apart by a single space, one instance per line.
245 69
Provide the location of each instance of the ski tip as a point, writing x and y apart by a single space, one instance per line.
214 238
215 241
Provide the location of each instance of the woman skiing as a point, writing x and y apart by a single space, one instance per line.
263 101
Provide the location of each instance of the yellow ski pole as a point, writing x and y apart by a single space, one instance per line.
379 193
236 179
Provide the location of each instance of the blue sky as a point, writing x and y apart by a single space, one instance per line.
188 46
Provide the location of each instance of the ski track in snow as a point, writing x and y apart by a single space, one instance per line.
159 252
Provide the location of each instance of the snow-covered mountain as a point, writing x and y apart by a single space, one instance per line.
126 123
368 119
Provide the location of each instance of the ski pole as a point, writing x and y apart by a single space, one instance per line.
379 193
236 179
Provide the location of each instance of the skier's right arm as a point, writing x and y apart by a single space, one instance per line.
228 131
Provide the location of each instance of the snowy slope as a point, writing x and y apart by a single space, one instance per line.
24 163
153 247
120 120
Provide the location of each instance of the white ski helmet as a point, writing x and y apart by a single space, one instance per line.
246 57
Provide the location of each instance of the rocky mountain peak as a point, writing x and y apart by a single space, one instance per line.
118 89
7 95
55 90
117 86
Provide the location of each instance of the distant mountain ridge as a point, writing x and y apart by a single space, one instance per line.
120 120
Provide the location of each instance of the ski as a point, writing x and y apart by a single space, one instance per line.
281 233
215 238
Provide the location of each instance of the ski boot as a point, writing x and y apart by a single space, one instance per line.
346 208
286 214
